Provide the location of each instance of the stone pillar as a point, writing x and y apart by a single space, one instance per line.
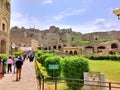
92 79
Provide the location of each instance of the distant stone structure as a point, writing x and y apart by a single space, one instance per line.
101 43
49 39
4 26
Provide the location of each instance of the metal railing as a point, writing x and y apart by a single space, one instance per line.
43 81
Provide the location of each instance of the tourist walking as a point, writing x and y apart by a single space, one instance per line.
31 57
9 62
18 64
15 59
1 68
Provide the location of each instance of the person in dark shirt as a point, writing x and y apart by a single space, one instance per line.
18 64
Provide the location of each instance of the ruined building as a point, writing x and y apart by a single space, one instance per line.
49 39
67 41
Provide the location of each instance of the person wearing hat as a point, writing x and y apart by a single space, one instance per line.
18 64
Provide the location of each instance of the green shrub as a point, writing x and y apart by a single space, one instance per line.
4 56
55 60
18 53
39 67
38 53
43 57
106 57
48 51
74 67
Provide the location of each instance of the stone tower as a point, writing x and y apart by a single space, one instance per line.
4 26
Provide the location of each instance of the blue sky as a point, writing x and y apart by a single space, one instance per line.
83 16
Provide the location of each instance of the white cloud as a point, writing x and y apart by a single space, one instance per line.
47 1
68 12
87 27
98 25
105 25
20 20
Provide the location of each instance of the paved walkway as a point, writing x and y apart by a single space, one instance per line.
27 82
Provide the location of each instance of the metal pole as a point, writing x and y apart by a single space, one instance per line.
42 82
56 84
109 86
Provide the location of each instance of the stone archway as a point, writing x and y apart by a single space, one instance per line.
75 53
54 47
66 51
114 46
59 47
3 46
101 47
112 53
89 50
71 52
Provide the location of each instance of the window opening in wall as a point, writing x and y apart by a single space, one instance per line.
45 48
96 38
59 47
114 46
64 45
66 51
49 48
73 45
99 51
89 47
3 27
101 47
75 52
54 47
112 53
71 53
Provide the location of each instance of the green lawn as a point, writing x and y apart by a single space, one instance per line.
111 69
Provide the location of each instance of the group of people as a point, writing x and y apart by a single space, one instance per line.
17 62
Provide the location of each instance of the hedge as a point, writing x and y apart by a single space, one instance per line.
55 60
105 57
43 57
74 67
38 67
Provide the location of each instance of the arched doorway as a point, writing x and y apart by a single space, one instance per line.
112 53
54 47
100 49
66 51
49 48
59 47
114 46
75 52
3 46
89 50
71 53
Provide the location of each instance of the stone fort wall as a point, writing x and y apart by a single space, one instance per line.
4 25
55 38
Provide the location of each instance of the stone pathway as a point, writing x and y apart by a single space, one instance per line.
28 79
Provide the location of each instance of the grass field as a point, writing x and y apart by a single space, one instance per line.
111 69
